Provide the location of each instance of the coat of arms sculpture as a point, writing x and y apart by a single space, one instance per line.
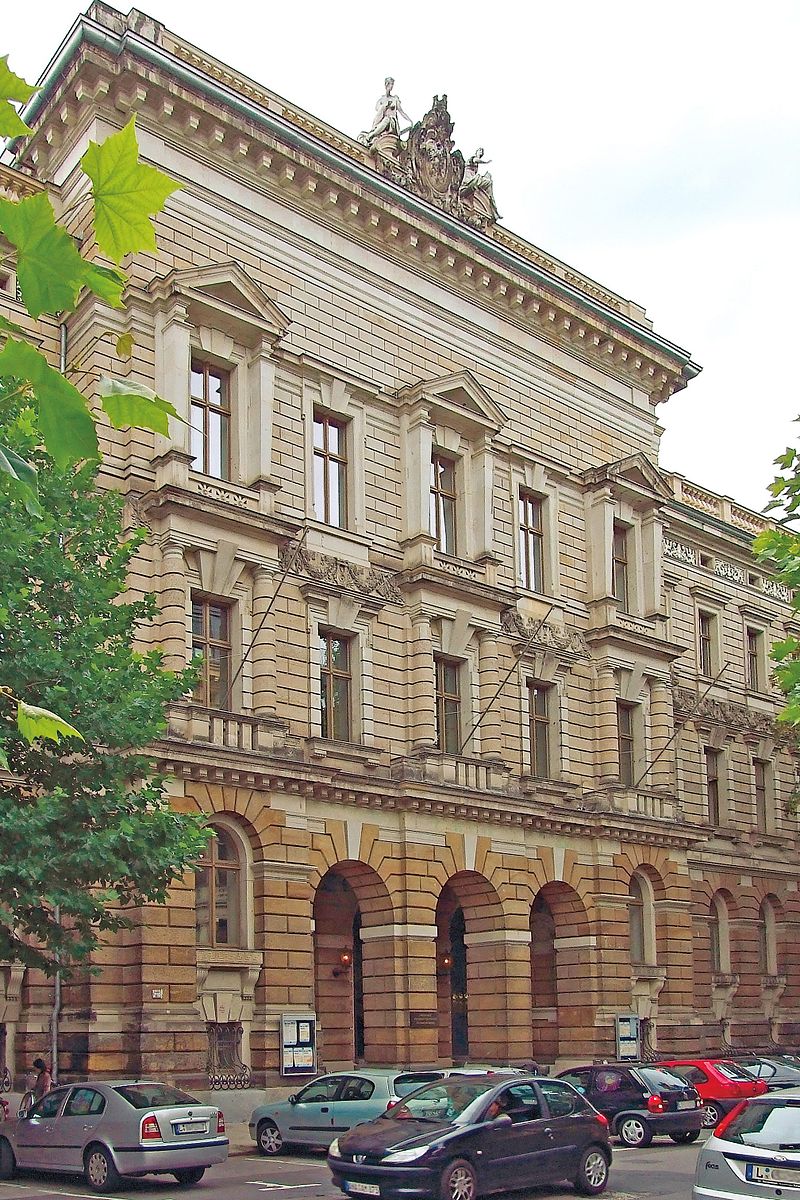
428 164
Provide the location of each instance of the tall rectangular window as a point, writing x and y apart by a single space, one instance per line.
705 642
330 471
443 503
761 781
712 758
531 541
210 420
754 674
539 716
336 682
448 705
626 742
211 641
620 566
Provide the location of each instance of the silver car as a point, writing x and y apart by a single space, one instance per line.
115 1128
754 1152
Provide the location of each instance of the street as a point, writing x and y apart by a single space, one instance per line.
663 1170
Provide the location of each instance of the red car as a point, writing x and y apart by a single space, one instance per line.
720 1082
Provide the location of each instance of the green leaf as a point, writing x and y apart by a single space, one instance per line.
126 194
129 403
34 723
7 326
11 464
12 88
125 345
105 282
66 424
49 268
3 760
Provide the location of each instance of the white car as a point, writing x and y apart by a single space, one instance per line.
754 1152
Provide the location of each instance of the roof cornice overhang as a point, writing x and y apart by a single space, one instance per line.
558 309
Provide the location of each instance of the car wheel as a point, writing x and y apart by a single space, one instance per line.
459 1181
712 1115
99 1170
269 1138
633 1131
689 1135
189 1176
592 1175
8 1164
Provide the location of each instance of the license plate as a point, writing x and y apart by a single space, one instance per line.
190 1127
356 1188
766 1173
686 1104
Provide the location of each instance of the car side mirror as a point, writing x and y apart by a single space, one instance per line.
293 1099
502 1119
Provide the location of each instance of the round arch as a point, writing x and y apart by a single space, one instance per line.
562 997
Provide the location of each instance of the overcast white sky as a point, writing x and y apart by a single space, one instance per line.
653 146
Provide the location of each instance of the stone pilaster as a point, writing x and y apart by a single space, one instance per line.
265 695
174 606
607 732
423 684
662 725
491 730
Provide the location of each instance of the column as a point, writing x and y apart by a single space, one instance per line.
422 684
607 737
491 730
499 988
174 606
662 727
265 684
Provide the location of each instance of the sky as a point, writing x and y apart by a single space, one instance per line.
651 145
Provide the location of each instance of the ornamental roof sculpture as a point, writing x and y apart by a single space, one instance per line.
427 163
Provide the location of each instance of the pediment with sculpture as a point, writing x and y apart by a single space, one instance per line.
422 157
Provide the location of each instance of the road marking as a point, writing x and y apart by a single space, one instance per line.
268 1185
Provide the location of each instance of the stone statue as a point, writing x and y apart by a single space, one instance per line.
477 187
388 112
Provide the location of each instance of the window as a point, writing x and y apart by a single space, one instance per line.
625 737
719 935
84 1102
761 782
357 1089
210 420
712 758
448 705
705 640
767 948
636 919
714 937
443 503
539 717
531 541
620 566
561 1100
335 686
218 892
330 471
211 639
754 673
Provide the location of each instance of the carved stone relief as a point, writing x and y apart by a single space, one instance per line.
369 581
553 637
723 712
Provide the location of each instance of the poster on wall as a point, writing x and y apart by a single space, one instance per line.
298 1044
627 1036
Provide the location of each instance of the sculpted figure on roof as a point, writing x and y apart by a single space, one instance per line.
477 187
388 112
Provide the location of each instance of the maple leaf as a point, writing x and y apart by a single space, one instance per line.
65 422
50 270
12 88
126 194
129 403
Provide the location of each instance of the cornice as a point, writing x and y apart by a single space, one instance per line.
17 185
182 100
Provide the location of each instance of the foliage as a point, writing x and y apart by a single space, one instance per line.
779 550
84 823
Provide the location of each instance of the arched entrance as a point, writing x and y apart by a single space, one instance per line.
562 975
470 970
353 966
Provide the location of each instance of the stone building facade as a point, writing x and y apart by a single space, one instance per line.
485 730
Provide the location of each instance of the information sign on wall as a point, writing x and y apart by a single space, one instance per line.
627 1036
299 1044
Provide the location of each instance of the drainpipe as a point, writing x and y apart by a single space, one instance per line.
56 1011
62 347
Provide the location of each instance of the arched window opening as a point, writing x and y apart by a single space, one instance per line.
767 940
218 892
641 921
458 983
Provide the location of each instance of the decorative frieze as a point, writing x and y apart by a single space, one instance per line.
730 571
324 568
723 569
677 550
724 712
549 636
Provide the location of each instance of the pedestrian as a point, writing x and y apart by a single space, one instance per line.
44 1080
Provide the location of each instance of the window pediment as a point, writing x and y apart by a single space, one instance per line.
458 401
223 297
634 478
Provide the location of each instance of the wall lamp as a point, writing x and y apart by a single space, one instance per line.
445 964
345 963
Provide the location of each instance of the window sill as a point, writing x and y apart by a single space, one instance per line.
228 956
223 490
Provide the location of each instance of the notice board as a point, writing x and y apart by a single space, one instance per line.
299 1043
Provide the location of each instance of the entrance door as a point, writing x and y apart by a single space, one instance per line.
459 1000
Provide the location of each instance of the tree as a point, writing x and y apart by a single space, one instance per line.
86 828
84 822
779 550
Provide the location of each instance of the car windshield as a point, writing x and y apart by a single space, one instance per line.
153 1095
733 1071
658 1078
773 1124
448 1100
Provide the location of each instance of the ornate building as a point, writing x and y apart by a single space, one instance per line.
485 728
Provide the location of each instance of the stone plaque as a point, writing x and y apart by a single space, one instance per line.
424 1018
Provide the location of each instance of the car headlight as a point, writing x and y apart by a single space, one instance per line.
404 1156
334 1150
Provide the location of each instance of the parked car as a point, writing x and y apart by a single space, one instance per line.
640 1101
116 1128
460 1138
775 1071
754 1152
720 1082
333 1103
